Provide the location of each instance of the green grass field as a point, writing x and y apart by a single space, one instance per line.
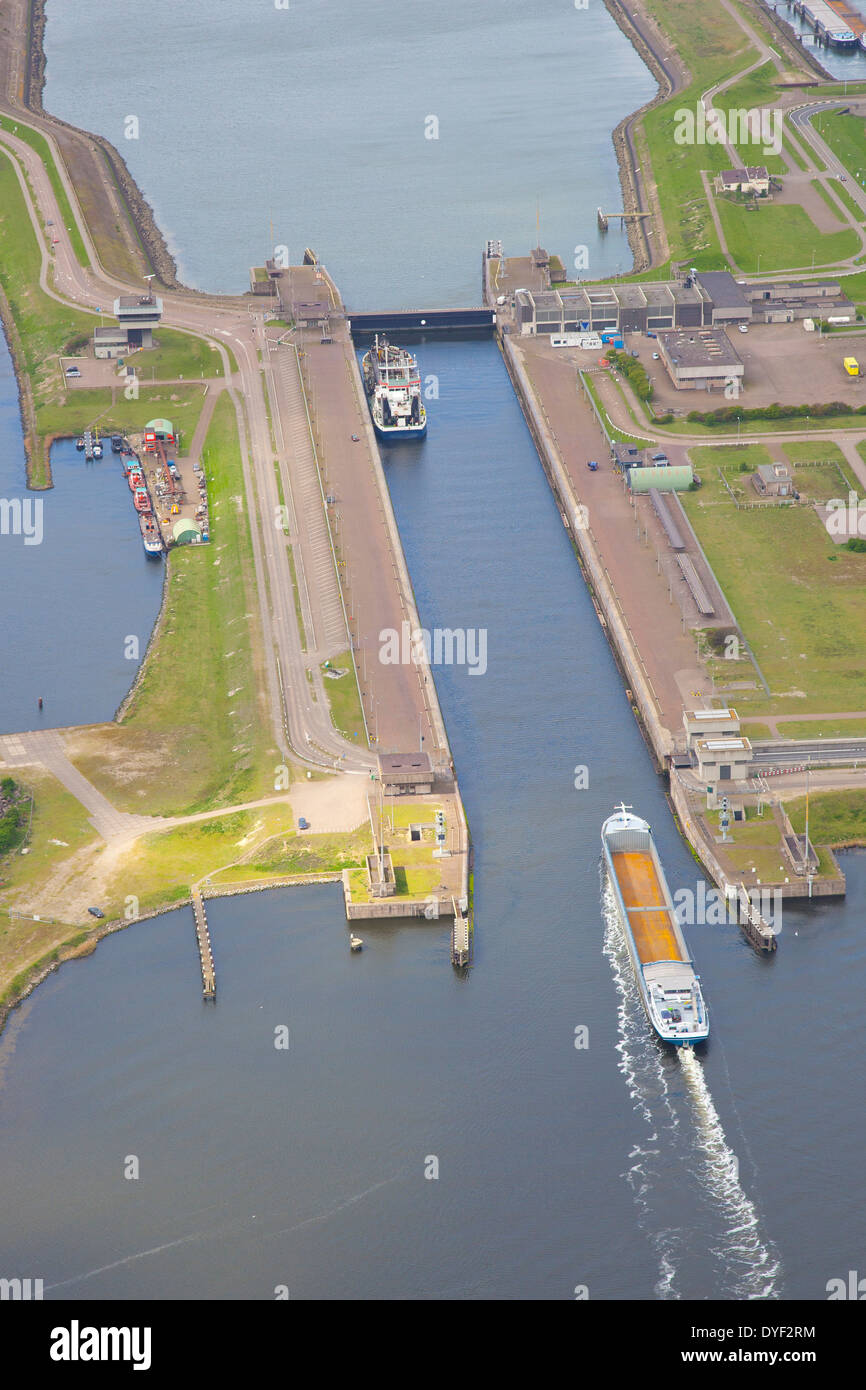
197 734
713 48
345 701
109 409
845 135
38 142
834 817
43 325
177 354
824 728
783 235
803 616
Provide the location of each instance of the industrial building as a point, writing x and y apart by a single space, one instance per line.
648 469
701 300
139 314
710 723
700 360
110 343
723 759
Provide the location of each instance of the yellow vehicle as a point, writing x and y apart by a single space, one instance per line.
852 366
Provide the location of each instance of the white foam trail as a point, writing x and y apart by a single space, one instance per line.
753 1263
333 1211
130 1259
221 1231
641 1065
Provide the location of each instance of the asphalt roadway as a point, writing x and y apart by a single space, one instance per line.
236 324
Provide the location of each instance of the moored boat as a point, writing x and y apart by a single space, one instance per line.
150 534
663 970
141 500
79 443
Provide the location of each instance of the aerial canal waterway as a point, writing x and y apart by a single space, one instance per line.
617 1165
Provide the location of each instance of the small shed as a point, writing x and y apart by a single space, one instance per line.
773 480
186 532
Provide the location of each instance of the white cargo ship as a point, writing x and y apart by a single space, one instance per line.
669 987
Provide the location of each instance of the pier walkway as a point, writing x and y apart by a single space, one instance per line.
208 969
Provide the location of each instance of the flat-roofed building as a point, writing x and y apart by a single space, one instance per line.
110 342
723 759
726 296
710 723
139 314
701 359
404 773
773 480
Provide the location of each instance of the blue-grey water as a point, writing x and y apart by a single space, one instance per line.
616 1165
79 590
309 126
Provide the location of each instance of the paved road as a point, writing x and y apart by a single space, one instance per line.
311 735
45 748
826 750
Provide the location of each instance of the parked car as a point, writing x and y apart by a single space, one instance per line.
742 327
355 438
96 912
655 357
72 371
592 465
303 824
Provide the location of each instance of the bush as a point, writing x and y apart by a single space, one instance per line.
77 343
634 371
727 414
856 543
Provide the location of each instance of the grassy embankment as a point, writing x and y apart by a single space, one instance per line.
45 328
713 47
196 733
37 141
800 600
835 818
345 700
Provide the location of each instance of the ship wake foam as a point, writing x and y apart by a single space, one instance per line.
669 1091
751 1262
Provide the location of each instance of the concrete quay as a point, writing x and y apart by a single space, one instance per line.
629 570
353 579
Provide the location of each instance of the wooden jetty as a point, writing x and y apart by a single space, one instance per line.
208 969
459 937
604 217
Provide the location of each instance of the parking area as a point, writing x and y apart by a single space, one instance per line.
783 363
91 373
